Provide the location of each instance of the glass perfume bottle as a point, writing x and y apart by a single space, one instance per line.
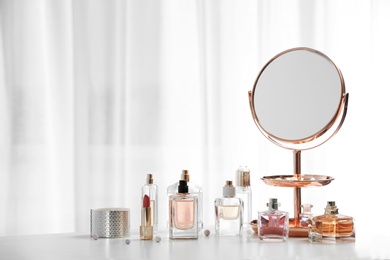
183 213
305 218
228 212
332 227
193 189
151 190
244 192
273 225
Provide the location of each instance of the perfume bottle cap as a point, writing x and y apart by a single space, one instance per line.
243 177
331 208
306 208
183 187
185 175
229 190
273 204
149 178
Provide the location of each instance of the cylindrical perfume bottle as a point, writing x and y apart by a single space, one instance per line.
273 224
151 190
193 189
244 192
228 212
332 227
183 213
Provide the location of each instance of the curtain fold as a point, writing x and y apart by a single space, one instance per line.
96 94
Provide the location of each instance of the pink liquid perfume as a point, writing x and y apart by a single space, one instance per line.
273 224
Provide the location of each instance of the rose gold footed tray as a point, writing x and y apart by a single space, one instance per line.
307 180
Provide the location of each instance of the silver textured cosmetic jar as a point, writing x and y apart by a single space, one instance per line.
110 222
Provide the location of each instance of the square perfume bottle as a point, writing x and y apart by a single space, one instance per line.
193 189
228 212
332 227
183 214
273 224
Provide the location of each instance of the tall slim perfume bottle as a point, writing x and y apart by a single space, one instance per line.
244 192
273 224
193 189
151 190
228 212
332 227
183 213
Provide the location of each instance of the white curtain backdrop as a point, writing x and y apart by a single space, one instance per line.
95 94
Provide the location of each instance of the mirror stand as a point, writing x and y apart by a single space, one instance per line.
298 102
295 229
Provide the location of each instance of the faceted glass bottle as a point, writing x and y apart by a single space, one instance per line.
151 190
228 212
273 225
332 227
244 192
193 189
183 214
305 218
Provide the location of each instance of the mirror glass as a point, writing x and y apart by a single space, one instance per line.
298 100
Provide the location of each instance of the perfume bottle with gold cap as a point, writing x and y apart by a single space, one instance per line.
244 192
151 190
228 212
193 189
332 227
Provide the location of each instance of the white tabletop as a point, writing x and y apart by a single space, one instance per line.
81 246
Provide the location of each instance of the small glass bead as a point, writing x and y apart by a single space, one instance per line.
207 232
95 237
127 241
158 239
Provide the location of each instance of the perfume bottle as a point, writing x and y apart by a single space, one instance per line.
332 227
193 189
151 190
228 212
305 218
244 192
273 224
183 213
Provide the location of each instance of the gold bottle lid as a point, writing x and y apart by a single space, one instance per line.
149 178
185 175
243 177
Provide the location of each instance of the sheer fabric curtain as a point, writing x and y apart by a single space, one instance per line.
95 94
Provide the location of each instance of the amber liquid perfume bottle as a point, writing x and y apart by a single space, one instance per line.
183 214
244 192
228 212
151 190
273 224
193 189
332 227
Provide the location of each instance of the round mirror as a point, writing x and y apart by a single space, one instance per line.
298 100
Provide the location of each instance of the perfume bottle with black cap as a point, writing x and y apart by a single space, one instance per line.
183 213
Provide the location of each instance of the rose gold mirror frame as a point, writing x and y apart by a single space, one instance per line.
297 146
